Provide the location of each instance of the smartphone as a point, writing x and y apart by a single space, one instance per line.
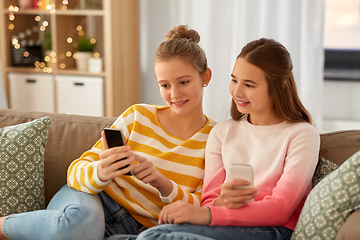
242 171
115 138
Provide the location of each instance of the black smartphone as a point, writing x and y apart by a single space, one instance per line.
115 138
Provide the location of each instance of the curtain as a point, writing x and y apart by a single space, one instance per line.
3 101
225 27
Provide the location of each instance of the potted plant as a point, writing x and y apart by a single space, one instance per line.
85 47
47 47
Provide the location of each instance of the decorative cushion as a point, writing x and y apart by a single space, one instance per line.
323 168
330 202
22 166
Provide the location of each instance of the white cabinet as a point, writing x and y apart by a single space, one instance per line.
31 92
80 95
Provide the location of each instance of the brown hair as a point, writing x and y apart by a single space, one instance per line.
275 61
182 43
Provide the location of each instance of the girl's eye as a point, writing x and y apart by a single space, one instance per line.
249 86
184 82
233 80
165 85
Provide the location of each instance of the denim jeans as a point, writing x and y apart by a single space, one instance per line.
72 215
198 232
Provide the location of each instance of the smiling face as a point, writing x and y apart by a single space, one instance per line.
249 90
181 85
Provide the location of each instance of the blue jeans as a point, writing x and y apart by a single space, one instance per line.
199 232
72 215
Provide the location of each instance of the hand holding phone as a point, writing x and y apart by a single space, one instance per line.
242 171
115 138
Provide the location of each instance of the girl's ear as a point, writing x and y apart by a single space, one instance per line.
207 76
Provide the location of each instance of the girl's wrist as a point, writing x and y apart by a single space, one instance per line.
210 216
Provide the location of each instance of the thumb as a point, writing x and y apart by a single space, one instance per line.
105 145
140 159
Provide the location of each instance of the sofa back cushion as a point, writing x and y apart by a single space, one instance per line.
69 136
340 145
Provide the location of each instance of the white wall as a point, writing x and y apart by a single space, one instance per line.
154 25
225 26
341 105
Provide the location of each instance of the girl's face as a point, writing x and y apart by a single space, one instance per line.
249 91
181 85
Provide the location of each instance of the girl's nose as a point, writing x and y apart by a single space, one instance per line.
238 91
175 92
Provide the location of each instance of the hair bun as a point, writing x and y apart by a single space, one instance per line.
182 31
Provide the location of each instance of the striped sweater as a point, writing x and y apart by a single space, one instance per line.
181 161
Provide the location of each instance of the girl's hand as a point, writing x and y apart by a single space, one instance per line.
148 173
109 166
181 212
231 197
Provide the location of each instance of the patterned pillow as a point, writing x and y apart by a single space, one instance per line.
323 168
22 166
330 202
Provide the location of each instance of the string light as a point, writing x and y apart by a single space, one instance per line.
11 16
65 3
19 40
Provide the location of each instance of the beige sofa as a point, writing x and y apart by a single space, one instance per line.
70 135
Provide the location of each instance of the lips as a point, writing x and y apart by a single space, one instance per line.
241 103
179 103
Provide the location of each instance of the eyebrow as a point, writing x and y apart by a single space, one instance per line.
246 80
179 78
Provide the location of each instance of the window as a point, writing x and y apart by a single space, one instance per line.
342 40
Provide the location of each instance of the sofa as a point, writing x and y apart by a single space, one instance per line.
70 135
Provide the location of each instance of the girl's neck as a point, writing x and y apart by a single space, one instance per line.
263 120
181 126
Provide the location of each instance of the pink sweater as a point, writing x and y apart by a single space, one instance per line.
283 157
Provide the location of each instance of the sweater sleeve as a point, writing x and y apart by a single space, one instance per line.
269 209
181 194
214 169
82 172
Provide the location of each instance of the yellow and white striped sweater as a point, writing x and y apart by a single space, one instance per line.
181 161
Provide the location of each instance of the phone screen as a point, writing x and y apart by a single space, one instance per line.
115 138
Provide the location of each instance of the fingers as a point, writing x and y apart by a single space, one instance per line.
145 171
115 162
232 196
173 213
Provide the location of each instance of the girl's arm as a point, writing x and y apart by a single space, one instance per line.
89 174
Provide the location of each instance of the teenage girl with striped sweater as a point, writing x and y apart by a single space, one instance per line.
165 148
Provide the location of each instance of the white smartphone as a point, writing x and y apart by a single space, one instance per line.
242 171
